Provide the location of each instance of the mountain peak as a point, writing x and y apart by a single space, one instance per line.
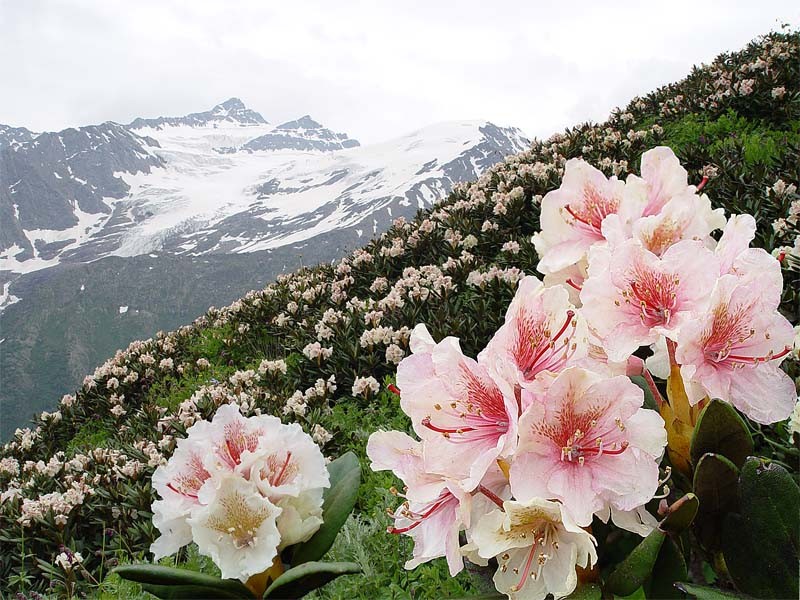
231 104
232 110
304 122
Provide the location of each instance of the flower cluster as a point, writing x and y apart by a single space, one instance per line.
522 448
655 276
242 489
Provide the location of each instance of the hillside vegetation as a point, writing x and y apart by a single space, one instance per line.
319 346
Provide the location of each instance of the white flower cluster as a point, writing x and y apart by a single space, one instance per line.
242 489
315 350
364 385
481 279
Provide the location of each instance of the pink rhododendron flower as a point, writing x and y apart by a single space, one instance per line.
588 443
572 216
684 217
737 258
543 333
466 418
435 509
632 296
289 469
733 351
178 483
570 278
537 548
663 178
232 435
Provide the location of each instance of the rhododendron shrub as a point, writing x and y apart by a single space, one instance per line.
520 450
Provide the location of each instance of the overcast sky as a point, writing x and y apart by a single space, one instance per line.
374 69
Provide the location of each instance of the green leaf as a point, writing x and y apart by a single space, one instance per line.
338 503
649 400
585 591
632 572
298 581
680 514
720 430
169 582
636 595
188 592
760 545
669 569
702 592
716 483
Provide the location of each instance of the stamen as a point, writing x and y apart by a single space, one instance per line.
419 518
526 569
427 423
491 495
757 359
182 493
279 478
574 285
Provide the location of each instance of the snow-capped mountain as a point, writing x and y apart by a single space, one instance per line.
221 181
111 232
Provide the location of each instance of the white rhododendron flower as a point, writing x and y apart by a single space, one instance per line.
537 549
241 488
237 528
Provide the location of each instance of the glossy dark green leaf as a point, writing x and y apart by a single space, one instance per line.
338 503
669 569
681 514
703 592
189 592
632 572
760 545
298 581
720 430
636 595
585 591
716 483
169 582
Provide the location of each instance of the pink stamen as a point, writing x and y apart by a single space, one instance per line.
551 344
427 423
598 451
177 491
757 359
577 218
283 469
394 389
491 495
702 183
420 518
526 571
574 285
